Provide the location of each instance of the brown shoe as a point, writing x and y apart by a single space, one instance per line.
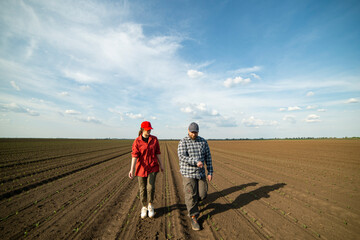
194 224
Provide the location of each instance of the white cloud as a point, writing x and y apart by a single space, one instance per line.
72 112
214 112
256 123
98 50
186 110
204 64
290 118
14 107
64 94
201 107
90 120
37 100
255 76
85 87
208 115
224 121
31 48
352 100
321 110
230 82
290 109
310 94
199 111
117 112
124 114
79 76
312 118
295 108
247 70
134 116
14 85
114 111
311 107
194 74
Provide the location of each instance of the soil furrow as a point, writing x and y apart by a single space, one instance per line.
301 206
83 202
17 206
261 189
54 157
49 180
56 166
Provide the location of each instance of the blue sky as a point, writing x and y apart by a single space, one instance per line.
241 69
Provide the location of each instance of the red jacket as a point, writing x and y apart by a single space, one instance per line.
146 153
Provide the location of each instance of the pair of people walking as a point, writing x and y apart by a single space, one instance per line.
194 154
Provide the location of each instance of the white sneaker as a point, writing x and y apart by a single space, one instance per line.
143 212
151 211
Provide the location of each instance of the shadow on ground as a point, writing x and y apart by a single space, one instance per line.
159 212
240 201
218 208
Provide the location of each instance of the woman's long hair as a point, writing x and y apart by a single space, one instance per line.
141 131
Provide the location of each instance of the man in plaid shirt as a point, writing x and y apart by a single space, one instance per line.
194 152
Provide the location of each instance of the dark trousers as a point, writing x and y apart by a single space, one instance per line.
147 188
195 190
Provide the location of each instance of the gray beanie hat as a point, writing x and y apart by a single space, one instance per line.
193 127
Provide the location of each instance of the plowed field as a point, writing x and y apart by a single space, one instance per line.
275 189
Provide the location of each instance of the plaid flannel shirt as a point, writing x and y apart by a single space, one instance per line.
190 152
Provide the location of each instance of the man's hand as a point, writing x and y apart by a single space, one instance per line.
200 164
209 178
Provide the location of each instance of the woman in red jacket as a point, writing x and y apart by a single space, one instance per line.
146 163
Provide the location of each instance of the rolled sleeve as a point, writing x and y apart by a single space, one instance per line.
135 153
157 151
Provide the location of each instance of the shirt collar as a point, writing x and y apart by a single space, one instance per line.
189 138
150 138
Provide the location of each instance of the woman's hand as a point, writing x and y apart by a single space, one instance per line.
131 174
132 167
158 156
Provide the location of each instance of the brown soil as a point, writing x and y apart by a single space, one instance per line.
278 189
